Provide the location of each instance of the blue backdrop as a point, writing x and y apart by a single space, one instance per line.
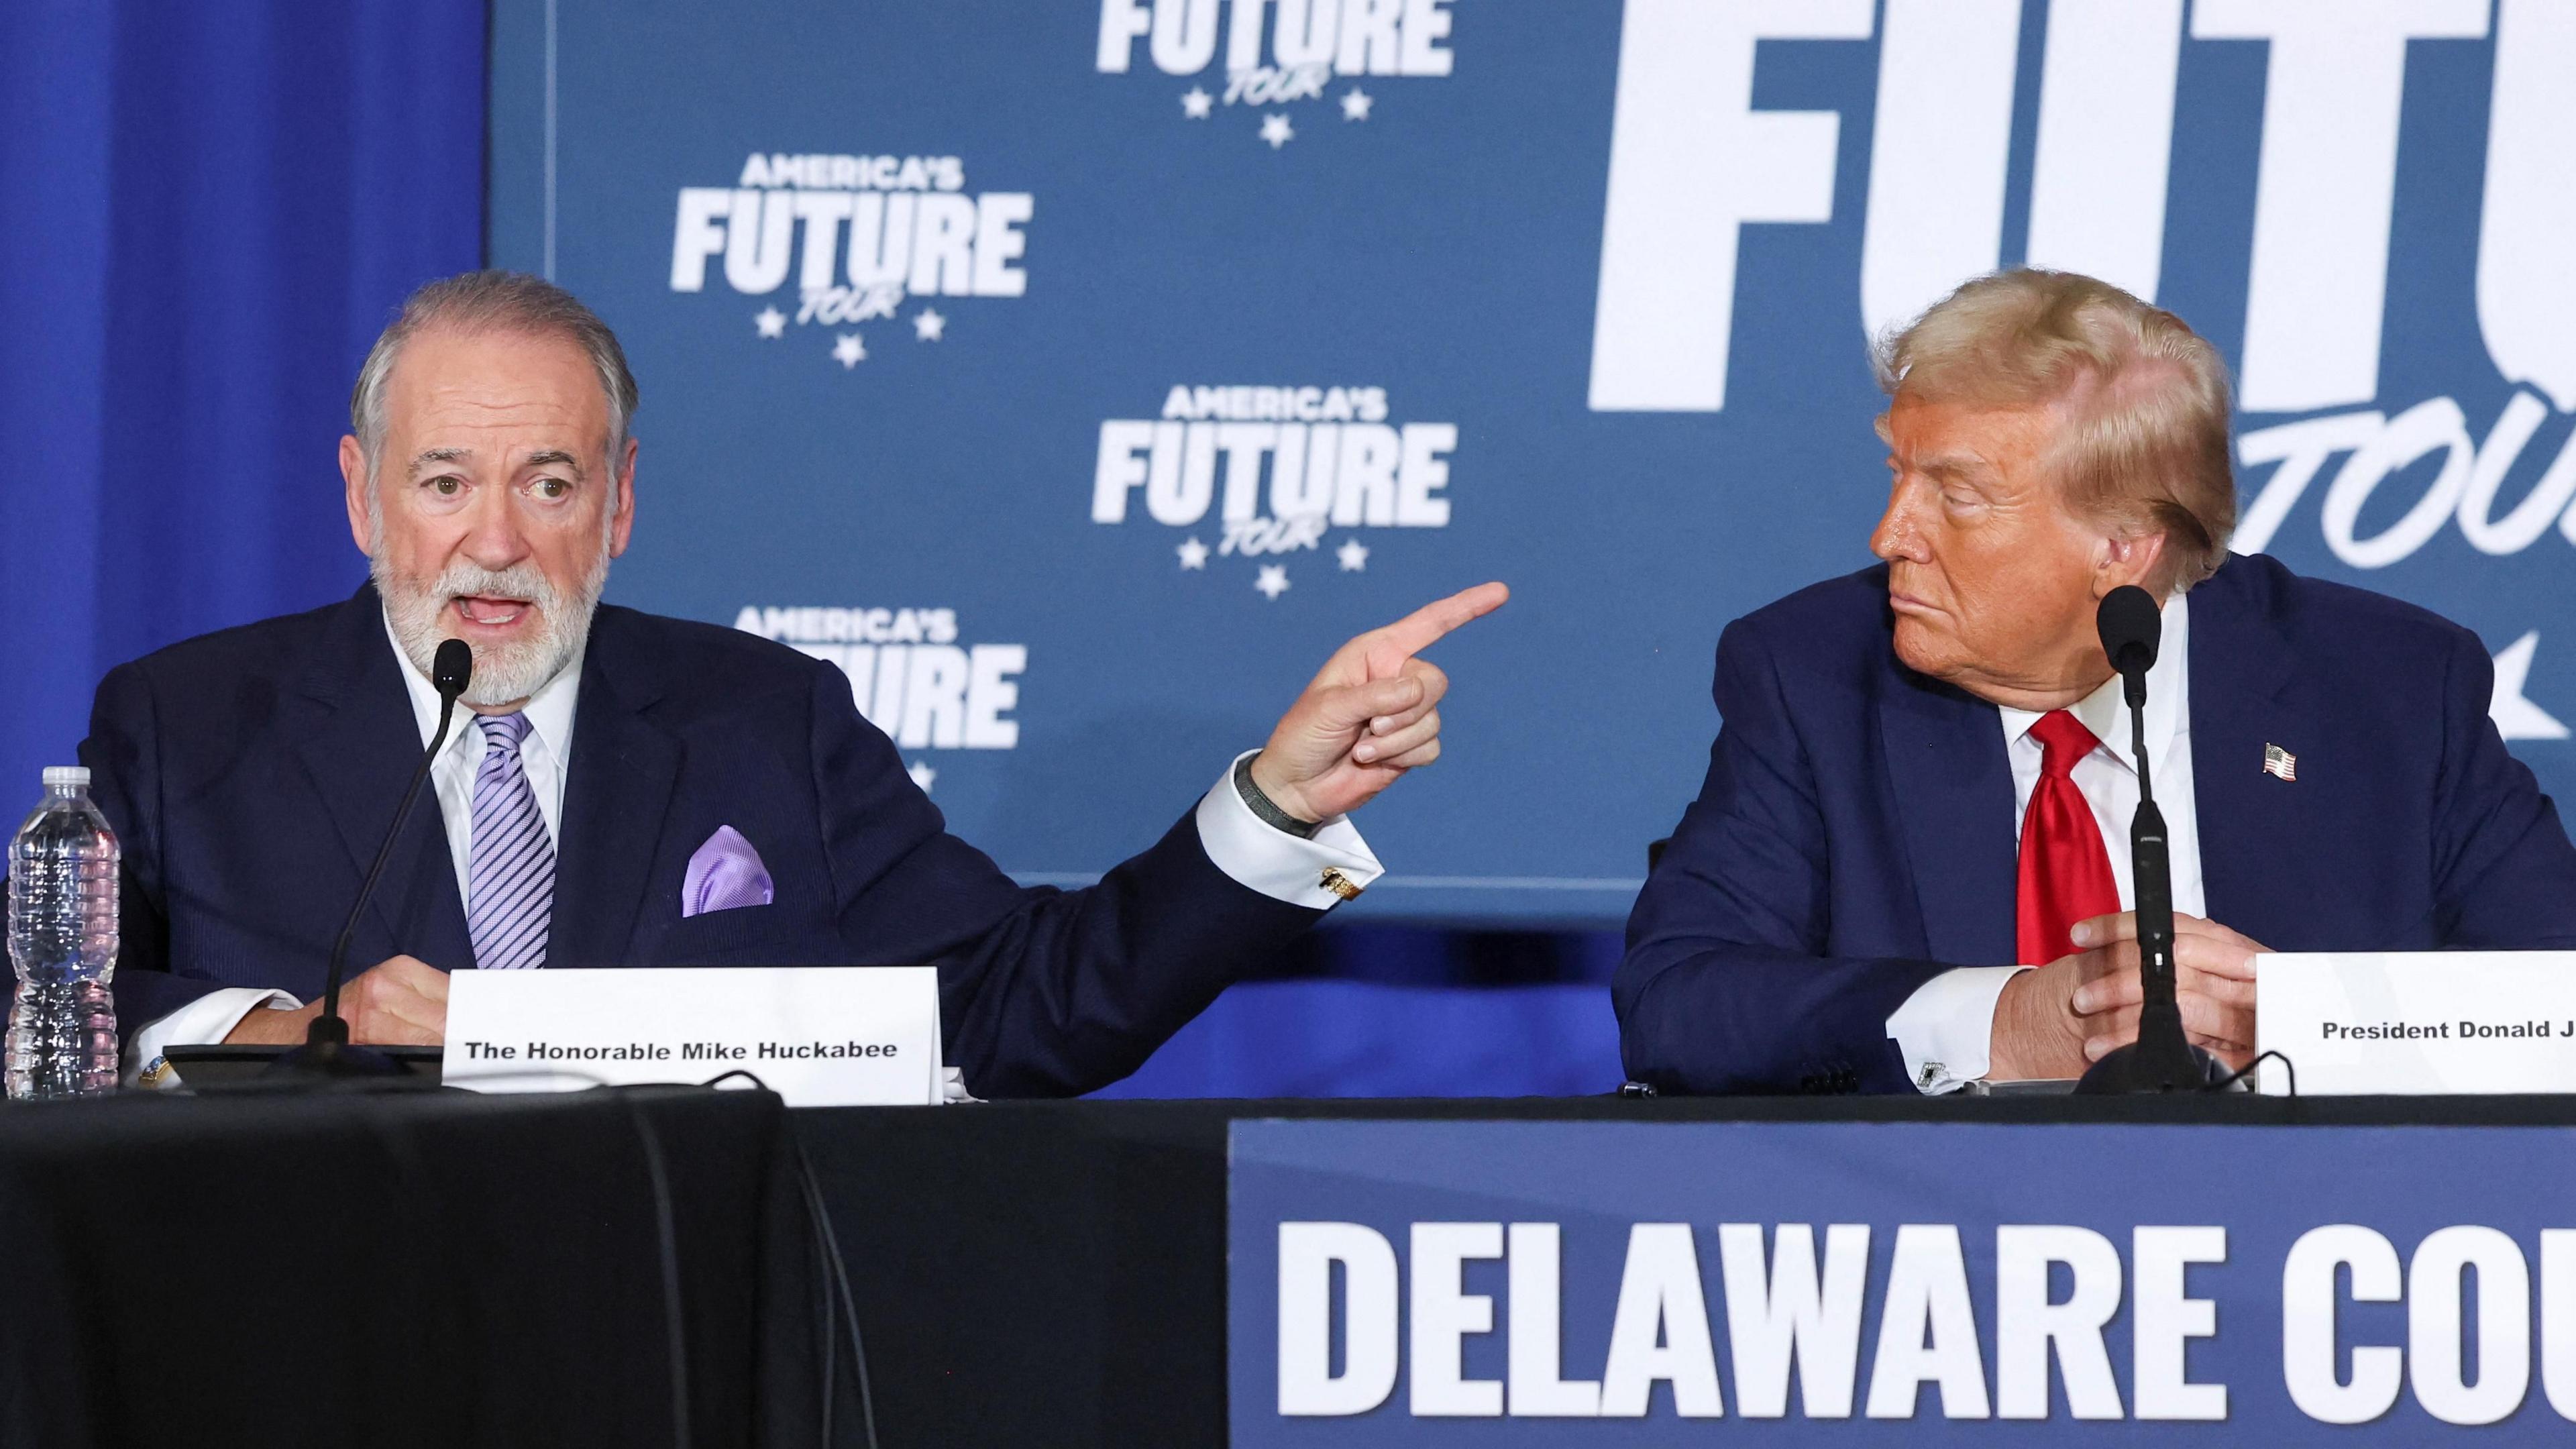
1077 375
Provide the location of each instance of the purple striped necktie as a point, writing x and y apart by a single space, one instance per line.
511 875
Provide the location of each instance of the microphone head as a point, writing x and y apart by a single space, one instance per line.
2130 626
453 668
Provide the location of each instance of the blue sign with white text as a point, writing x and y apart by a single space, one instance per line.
1078 375
1502 1283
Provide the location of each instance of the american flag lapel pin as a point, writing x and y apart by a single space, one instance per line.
2280 762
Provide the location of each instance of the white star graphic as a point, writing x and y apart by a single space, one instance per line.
1195 102
1354 556
2515 716
922 775
849 351
770 321
1194 554
1273 580
1276 131
1355 104
928 326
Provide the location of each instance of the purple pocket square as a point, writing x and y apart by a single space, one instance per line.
725 874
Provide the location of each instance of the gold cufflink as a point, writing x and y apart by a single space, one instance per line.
1340 884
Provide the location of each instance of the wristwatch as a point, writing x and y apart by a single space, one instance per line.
1265 807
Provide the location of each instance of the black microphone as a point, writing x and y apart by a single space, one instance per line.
2162 1059
326 1050
2131 627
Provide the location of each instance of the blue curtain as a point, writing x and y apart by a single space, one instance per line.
212 209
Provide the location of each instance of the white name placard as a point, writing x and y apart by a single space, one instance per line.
819 1036
2418 1022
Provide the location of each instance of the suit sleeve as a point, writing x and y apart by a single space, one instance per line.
1042 992
2504 874
123 757
1727 986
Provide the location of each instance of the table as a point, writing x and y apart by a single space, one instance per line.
442 1268
1054 1273
407 1268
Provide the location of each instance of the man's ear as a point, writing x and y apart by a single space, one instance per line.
2127 558
621 519
353 488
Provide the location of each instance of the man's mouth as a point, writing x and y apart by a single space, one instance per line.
1905 603
490 612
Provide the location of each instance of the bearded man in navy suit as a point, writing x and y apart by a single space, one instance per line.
633 791
1909 866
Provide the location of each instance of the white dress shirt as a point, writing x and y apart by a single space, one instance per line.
545 754
1254 853
1945 1029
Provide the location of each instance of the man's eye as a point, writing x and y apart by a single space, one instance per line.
552 487
447 486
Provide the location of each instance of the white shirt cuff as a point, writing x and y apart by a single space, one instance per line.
1265 858
202 1022
1946 1028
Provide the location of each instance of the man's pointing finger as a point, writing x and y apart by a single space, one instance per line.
1423 627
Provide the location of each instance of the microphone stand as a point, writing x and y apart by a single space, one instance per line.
2162 1059
327 1052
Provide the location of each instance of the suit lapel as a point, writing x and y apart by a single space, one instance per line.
357 739
2246 692
623 769
1954 799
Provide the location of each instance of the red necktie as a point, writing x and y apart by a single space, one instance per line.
2065 872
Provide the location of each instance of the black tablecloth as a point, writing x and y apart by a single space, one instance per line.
421 1268
1054 1273
445 1269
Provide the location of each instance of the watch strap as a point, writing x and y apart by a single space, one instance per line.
1265 807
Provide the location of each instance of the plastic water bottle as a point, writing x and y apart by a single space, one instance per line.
62 940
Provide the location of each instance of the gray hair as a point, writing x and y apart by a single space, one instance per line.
493 301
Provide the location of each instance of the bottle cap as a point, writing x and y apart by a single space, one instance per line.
57 776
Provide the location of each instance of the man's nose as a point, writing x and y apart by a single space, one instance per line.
1898 536
495 540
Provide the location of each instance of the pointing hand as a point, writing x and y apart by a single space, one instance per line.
1370 715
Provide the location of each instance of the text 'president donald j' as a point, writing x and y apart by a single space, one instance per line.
1909 866
640 791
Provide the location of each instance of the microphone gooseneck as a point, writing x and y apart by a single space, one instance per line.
2133 630
326 1049
2162 1059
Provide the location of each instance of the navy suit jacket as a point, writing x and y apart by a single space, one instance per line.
251 775
1855 836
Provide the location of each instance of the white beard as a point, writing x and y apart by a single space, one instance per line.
504 673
